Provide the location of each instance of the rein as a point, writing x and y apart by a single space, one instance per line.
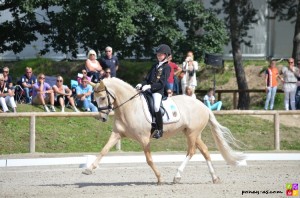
109 107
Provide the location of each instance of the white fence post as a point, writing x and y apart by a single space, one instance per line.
276 131
32 134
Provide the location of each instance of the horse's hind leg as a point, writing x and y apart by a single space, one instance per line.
113 139
203 149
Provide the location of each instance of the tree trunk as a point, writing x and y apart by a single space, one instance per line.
296 46
244 99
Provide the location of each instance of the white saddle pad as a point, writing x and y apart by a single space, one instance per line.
171 115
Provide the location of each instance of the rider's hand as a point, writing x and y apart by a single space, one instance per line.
145 87
138 86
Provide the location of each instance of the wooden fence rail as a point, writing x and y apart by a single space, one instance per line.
33 115
235 93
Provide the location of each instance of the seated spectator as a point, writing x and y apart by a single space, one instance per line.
169 92
7 77
107 73
83 93
6 96
209 101
27 82
84 73
42 94
189 92
62 95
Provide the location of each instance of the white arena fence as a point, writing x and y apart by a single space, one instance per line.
33 115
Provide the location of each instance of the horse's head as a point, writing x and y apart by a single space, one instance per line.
104 99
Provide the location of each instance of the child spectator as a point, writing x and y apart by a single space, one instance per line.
209 101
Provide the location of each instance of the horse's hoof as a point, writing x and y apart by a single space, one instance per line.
176 180
217 180
87 171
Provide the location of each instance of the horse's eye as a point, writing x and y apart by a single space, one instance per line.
102 98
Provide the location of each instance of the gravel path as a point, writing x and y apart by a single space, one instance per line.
137 180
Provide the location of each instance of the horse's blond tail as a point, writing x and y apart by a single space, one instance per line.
223 138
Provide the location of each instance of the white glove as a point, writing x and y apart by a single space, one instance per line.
145 87
138 86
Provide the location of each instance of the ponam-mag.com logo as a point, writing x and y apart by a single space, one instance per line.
292 189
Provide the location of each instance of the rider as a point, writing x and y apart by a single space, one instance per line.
156 81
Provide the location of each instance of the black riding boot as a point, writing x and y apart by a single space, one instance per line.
159 123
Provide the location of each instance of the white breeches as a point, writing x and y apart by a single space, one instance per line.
157 100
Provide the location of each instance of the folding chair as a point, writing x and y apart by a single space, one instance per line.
19 94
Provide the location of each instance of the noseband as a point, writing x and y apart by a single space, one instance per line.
109 106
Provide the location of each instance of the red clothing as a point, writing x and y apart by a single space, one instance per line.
272 74
173 68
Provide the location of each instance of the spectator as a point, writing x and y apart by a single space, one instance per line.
271 76
189 67
92 66
7 77
174 71
298 89
189 92
170 93
62 95
84 73
110 61
209 101
27 82
290 75
107 73
42 94
6 96
83 92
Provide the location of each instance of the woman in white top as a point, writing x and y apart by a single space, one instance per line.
290 75
63 93
6 96
189 66
92 66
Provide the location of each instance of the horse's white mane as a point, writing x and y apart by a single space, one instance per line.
118 82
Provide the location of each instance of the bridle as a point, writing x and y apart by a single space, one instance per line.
109 107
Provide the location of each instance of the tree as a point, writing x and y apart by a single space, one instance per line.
289 10
239 15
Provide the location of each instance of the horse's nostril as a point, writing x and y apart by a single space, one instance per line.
104 119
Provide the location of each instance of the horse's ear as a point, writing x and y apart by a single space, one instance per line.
102 85
92 84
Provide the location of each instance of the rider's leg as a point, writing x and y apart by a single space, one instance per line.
157 101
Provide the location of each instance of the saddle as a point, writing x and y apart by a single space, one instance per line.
168 108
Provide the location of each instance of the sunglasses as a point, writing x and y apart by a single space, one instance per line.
58 80
108 72
28 72
291 62
84 72
85 81
42 78
92 54
107 51
5 71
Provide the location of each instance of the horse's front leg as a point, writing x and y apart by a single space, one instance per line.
113 139
150 162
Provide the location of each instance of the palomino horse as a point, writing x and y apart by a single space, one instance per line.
130 121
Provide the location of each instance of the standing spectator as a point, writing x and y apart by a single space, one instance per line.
271 76
298 89
6 96
290 74
174 71
92 66
209 101
189 66
42 94
63 94
84 92
110 61
27 82
7 77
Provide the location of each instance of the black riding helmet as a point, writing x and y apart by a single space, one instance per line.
163 49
